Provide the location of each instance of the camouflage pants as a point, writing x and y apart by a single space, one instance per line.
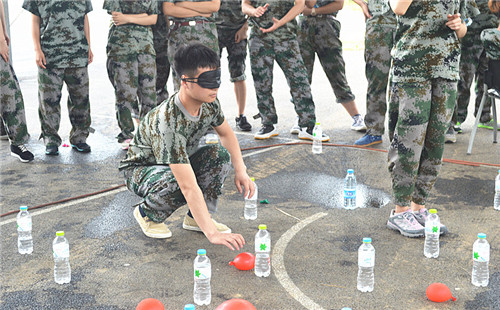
287 55
205 34
473 63
50 83
236 53
133 78
161 192
379 39
416 151
162 71
321 35
12 105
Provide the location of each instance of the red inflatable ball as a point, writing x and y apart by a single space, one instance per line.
236 304
439 292
150 304
244 261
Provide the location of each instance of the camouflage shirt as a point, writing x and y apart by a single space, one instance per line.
230 16
491 42
186 19
378 7
62 33
277 9
130 39
484 19
168 134
425 47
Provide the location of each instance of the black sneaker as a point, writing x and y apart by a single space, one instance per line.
242 123
81 147
51 149
21 152
266 132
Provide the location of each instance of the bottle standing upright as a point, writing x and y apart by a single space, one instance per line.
262 252
366 263
202 294
480 260
24 226
350 190
496 201
250 211
62 268
317 146
432 231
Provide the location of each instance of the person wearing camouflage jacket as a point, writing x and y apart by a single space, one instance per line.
131 61
424 75
160 42
61 36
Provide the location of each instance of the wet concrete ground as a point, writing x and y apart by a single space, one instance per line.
114 265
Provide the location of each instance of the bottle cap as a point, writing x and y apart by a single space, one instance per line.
253 179
350 170
433 211
481 236
23 208
262 226
189 307
367 240
59 233
317 123
202 252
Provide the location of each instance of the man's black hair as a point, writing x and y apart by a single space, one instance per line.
189 58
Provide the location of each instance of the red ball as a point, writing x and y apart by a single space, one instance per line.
236 304
244 261
150 304
439 292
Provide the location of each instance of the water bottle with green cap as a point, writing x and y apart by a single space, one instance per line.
317 146
262 252
60 250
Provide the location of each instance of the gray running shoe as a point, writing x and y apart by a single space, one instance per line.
406 224
422 215
296 128
450 136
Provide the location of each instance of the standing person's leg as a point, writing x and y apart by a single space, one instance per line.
146 90
125 76
77 82
486 119
162 73
262 62
12 112
414 103
50 83
378 44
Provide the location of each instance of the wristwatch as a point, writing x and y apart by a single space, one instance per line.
313 12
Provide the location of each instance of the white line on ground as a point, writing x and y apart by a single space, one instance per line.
279 264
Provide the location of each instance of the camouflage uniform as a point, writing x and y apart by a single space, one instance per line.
491 43
160 42
170 135
280 45
131 64
473 63
200 29
320 35
379 40
229 20
424 76
66 51
12 105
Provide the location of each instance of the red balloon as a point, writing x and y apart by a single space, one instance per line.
439 292
150 304
244 261
236 304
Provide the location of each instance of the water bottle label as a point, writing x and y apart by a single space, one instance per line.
366 259
349 193
60 250
497 186
262 247
24 225
202 273
432 228
481 256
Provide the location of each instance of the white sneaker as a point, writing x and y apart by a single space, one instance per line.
190 224
295 128
359 123
306 134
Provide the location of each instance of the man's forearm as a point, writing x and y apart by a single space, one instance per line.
86 29
230 142
247 8
293 12
35 30
330 7
143 20
169 9
204 7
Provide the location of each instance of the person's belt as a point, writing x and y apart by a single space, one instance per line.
189 23
322 16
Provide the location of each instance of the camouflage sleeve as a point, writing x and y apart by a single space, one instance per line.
218 114
469 9
31 6
111 6
491 43
153 9
88 6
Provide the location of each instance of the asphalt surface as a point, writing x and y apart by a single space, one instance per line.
314 240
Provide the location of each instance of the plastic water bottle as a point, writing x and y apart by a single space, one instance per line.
262 252
202 294
480 260
60 249
366 262
432 231
24 238
317 146
250 211
189 307
496 203
350 190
